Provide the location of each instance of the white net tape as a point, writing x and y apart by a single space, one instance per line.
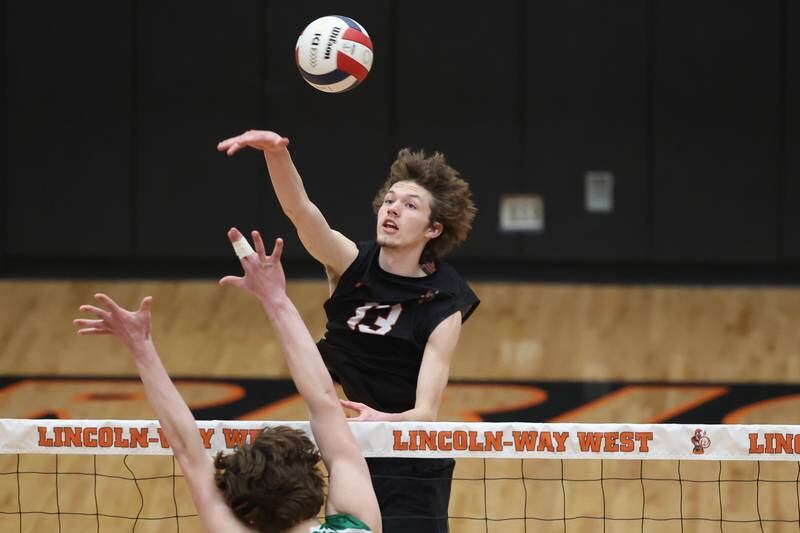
435 439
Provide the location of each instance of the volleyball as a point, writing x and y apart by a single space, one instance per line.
334 54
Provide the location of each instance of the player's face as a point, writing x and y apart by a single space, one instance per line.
404 217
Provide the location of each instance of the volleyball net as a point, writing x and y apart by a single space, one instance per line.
119 475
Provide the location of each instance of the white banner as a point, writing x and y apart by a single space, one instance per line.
438 439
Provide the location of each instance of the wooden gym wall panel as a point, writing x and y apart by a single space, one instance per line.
457 93
68 128
791 177
340 143
716 130
587 110
199 79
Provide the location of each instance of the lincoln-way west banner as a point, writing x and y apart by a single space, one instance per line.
439 439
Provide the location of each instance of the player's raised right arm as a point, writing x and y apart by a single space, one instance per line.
326 245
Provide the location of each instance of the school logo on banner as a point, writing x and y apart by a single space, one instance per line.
700 441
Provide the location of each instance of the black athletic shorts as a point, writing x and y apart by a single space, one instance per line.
413 494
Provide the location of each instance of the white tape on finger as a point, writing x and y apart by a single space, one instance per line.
242 248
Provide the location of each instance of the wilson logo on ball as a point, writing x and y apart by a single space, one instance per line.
334 54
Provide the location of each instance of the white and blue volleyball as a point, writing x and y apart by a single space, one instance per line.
334 54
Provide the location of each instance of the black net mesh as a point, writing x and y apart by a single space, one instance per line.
146 493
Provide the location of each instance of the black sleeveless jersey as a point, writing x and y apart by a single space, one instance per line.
379 324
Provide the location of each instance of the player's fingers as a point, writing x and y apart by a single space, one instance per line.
93 331
88 323
234 235
240 244
234 281
102 313
235 147
147 303
355 406
111 304
227 143
277 250
259 244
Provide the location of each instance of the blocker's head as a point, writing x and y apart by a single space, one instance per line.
274 483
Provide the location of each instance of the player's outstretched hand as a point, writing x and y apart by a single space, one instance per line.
266 141
263 274
132 328
364 412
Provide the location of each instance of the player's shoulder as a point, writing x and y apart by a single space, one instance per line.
447 276
365 255
451 283
367 247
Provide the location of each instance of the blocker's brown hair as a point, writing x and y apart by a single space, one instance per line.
273 483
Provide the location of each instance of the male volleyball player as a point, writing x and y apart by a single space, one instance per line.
395 311
272 485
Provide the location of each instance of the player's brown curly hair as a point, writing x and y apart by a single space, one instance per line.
452 205
273 483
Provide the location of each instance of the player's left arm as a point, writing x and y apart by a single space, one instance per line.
431 382
133 330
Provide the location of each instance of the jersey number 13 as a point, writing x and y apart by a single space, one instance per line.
385 318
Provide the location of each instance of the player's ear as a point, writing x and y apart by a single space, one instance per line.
434 230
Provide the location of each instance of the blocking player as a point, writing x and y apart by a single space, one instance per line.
395 310
271 485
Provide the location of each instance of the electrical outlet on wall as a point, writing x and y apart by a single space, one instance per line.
599 191
521 212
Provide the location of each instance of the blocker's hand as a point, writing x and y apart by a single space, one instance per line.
132 328
266 141
263 274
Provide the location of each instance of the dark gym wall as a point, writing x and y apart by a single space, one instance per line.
791 142
717 123
113 111
68 127
198 78
458 92
587 110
